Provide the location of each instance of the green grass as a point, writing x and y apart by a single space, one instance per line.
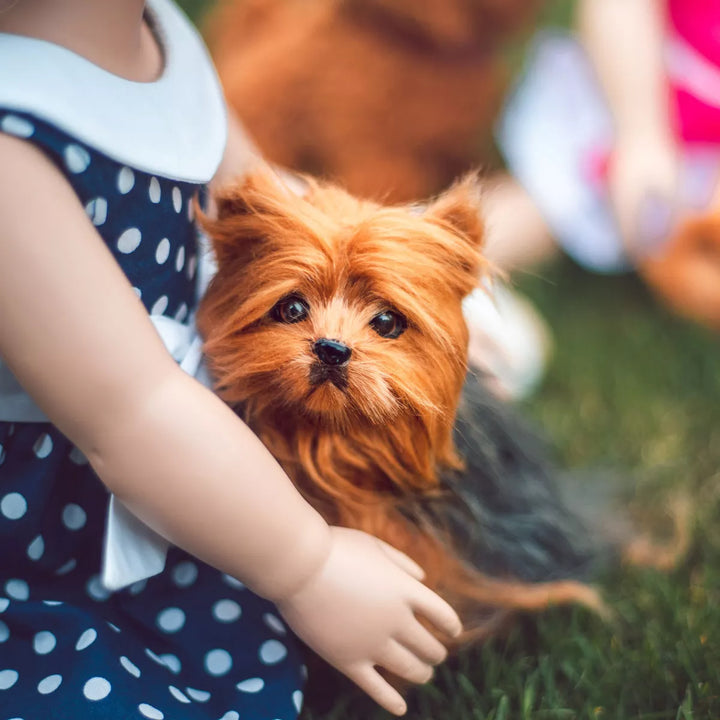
636 392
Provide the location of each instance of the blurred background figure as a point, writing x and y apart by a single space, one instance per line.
617 139
392 98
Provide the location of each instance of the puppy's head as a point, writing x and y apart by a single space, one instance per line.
339 311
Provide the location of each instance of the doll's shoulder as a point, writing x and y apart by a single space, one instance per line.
173 127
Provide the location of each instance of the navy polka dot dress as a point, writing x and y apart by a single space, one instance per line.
190 643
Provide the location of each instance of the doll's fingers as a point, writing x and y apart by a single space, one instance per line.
437 611
405 664
424 644
402 560
379 689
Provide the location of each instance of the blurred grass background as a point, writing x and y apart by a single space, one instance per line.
634 390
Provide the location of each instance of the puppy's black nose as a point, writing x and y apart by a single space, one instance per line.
331 352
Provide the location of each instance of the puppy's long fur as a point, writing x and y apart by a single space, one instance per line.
335 328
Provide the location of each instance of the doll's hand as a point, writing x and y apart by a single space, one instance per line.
357 611
643 180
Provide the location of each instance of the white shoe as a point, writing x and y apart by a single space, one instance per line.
509 341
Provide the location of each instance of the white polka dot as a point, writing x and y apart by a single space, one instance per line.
13 506
163 251
17 126
77 457
68 567
4 602
77 158
272 651
129 240
113 627
4 632
171 619
198 695
297 697
231 715
226 610
137 587
52 603
49 684
96 688
171 662
73 517
168 660
96 590
44 642
251 685
177 199
36 548
304 672
274 623
184 574
17 589
43 446
181 312
125 180
138 292
2 454
97 211
191 265
159 306
154 190
180 258
218 662
130 666
7 679
233 582
177 694
150 712
87 638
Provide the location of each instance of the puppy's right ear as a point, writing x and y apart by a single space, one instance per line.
237 223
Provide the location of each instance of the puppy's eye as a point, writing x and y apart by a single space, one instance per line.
291 309
389 324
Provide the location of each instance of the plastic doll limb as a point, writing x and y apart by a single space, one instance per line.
355 576
625 41
517 235
78 339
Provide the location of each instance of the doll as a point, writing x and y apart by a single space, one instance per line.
334 326
618 142
111 123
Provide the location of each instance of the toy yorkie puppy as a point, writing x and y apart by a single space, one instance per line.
335 327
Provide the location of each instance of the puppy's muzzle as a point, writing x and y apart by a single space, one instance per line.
333 359
331 352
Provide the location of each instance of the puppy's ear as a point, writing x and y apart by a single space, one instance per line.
243 212
458 210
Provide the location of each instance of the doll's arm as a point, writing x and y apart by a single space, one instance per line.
624 39
79 340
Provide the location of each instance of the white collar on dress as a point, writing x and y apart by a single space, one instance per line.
175 127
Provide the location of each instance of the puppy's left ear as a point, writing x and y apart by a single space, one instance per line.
458 210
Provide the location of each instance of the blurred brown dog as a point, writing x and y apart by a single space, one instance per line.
391 98
686 274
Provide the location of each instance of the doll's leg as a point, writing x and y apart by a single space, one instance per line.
517 235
